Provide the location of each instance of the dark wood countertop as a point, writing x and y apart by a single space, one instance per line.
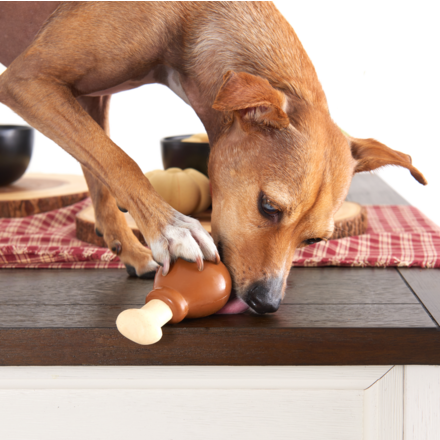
330 316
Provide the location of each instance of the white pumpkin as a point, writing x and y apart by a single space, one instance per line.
187 191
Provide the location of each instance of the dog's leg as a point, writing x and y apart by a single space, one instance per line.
110 221
79 53
50 106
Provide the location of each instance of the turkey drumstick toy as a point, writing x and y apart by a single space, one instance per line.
183 293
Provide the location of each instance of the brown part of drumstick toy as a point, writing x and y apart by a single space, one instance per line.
183 293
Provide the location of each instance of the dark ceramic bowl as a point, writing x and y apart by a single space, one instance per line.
176 153
16 143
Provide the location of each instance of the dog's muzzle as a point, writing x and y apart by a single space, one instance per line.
265 296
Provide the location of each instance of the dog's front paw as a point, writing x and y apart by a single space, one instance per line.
186 238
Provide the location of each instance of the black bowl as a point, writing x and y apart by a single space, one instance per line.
176 153
16 143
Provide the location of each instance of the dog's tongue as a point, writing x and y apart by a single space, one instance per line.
232 307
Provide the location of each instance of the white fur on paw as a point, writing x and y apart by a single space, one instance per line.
182 244
200 235
186 238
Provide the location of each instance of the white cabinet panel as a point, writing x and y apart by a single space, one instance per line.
383 407
181 414
422 402
212 377
300 403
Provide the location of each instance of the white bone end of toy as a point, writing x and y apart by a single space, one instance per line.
144 325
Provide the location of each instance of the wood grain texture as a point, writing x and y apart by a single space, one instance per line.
422 402
35 193
383 407
192 377
288 316
321 316
426 285
325 285
351 219
76 287
346 285
184 346
181 414
331 316
85 227
93 299
370 189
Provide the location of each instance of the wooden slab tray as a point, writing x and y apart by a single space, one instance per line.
35 193
351 219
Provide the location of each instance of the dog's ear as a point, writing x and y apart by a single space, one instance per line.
371 154
253 100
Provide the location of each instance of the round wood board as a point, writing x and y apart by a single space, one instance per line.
35 193
351 219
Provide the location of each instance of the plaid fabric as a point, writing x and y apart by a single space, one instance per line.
48 241
396 236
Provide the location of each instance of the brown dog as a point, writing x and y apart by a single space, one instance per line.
280 167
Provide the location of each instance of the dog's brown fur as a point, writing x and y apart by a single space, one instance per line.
244 71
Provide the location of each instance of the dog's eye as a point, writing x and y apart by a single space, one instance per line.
267 207
270 209
312 241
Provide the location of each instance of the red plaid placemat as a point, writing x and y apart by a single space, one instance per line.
48 241
396 236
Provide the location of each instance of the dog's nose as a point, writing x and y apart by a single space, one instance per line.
264 297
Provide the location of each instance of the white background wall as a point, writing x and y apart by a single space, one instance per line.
379 65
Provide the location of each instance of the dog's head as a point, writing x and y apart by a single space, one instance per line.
279 172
